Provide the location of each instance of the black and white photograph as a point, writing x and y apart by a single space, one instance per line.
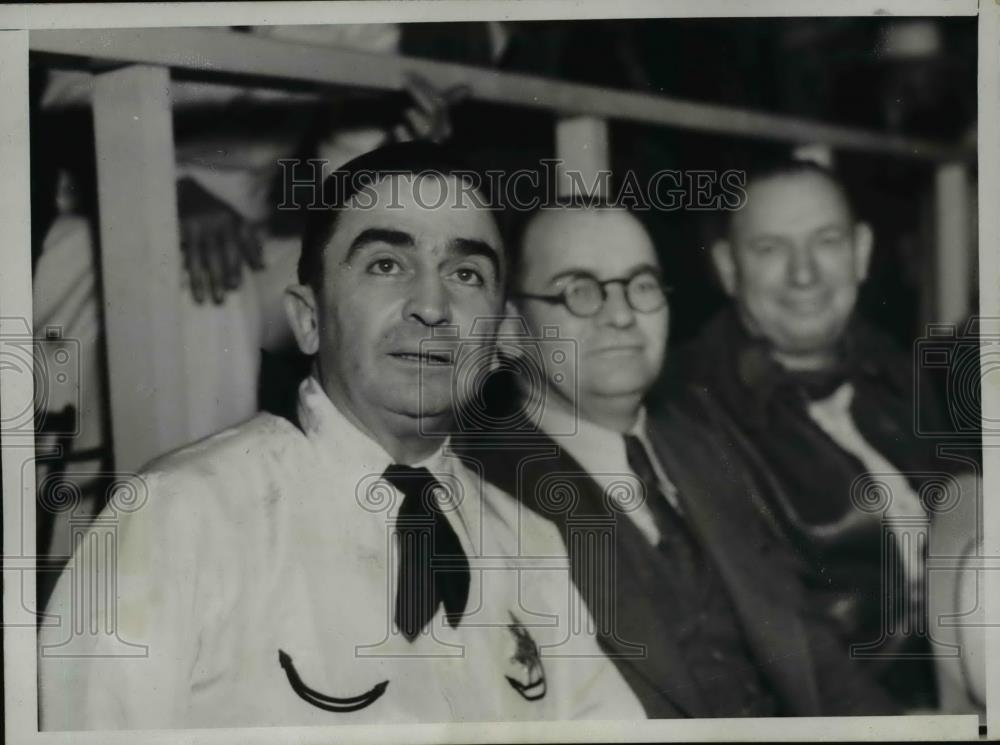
534 372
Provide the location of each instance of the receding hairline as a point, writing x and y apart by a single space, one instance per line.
548 214
518 253
784 175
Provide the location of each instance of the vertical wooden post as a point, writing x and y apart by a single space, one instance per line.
585 164
17 392
141 263
953 245
18 672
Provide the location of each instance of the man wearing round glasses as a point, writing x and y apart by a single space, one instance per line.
594 274
693 600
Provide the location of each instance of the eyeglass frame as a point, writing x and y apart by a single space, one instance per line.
560 297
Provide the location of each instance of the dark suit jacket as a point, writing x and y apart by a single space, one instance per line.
798 656
809 483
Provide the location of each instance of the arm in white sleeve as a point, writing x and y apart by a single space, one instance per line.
583 680
138 591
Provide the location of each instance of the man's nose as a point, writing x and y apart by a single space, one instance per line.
428 301
616 311
802 269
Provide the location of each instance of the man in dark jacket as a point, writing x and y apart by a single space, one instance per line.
697 604
820 406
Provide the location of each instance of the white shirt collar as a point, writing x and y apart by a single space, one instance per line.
327 427
601 451
592 445
356 461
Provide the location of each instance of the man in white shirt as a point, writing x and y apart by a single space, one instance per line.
698 606
231 145
346 566
822 406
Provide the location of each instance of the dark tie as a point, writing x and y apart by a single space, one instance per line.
433 567
675 539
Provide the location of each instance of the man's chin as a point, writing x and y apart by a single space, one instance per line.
804 345
624 383
430 409
804 333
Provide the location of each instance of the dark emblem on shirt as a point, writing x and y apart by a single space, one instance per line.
528 676
328 703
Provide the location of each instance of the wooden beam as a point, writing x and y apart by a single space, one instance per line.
141 263
217 53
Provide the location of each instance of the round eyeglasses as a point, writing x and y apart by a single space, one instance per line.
585 295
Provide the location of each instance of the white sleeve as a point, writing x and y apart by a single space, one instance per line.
584 683
121 637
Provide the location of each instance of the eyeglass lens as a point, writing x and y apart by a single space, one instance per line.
643 292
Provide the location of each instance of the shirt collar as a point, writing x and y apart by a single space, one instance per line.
356 461
763 375
599 450
332 432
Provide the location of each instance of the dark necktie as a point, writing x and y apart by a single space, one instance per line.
433 567
675 540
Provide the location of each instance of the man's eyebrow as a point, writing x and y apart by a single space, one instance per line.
476 247
378 235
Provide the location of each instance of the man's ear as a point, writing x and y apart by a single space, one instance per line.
301 311
864 240
725 265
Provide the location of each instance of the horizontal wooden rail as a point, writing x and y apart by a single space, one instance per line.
216 53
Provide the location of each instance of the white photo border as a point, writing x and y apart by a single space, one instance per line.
20 656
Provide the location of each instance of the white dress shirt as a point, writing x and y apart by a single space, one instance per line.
262 539
833 415
602 453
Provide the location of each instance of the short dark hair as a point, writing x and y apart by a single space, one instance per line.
397 158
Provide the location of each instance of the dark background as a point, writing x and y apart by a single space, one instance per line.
839 71
848 71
